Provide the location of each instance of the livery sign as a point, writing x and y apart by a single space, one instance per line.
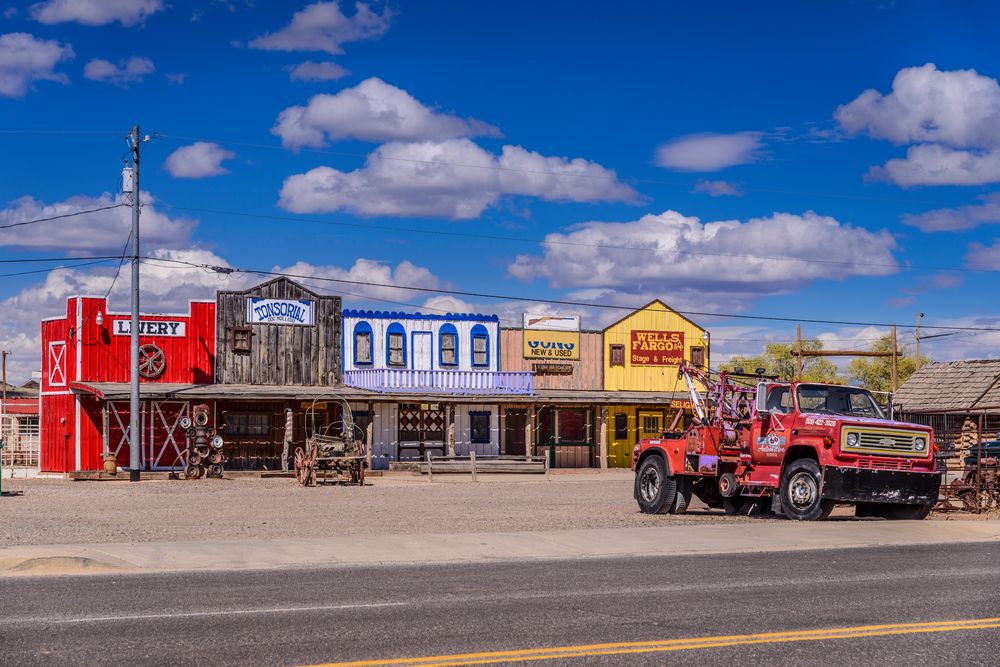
149 328
279 311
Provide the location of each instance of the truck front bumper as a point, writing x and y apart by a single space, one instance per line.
856 485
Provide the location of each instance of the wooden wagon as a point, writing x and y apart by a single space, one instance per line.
331 454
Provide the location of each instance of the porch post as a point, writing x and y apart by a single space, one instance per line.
603 437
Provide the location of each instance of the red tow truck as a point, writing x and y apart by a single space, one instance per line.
757 445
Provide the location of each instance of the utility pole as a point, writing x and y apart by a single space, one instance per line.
917 364
134 437
3 413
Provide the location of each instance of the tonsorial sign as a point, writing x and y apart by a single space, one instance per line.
279 311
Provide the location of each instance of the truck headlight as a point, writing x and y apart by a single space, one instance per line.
919 444
852 439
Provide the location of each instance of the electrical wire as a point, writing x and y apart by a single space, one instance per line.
51 269
562 302
59 217
120 263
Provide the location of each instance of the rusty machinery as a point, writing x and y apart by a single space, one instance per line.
331 453
204 454
977 489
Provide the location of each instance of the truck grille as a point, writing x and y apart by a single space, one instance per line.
872 463
885 442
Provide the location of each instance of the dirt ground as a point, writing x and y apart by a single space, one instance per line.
64 512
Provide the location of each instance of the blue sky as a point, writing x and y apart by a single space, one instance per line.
725 114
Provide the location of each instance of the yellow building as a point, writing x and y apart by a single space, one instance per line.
642 352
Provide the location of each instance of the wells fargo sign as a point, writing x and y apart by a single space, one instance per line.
563 345
657 348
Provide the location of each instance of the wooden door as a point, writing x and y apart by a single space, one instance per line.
650 424
422 350
514 444
621 436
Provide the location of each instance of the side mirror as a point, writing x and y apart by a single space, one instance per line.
762 399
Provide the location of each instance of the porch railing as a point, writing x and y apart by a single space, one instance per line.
392 380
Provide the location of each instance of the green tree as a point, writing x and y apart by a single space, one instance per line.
779 359
875 373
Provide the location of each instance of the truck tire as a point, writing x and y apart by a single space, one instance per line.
800 496
893 512
733 506
682 499
654 489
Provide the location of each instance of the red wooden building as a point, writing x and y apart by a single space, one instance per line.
88 347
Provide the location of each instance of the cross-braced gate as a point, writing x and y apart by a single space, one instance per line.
164 442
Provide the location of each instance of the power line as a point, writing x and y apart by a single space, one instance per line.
55 259
59 217
562 302
55 268
546 241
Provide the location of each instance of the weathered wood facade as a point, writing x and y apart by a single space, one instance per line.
279 353
584 373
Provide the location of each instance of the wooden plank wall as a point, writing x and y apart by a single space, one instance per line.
587 372
280 354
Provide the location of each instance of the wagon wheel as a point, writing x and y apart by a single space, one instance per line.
152 361
302 467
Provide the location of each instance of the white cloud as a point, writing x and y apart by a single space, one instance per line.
313 71
983 257
371 111
933 164
951 117
688 262
199 160
709 151
454 179
372 272
167 287
957 219
323 27
177 79
127 71
717 188
95 12
84 234
25 59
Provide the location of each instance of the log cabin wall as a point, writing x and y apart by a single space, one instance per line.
279 353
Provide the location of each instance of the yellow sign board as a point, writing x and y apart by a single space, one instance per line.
541 344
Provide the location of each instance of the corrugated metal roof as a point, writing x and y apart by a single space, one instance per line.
952 385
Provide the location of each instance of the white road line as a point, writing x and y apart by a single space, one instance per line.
198 614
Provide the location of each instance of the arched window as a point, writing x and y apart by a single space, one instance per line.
480 346
448 345
395 345
363 354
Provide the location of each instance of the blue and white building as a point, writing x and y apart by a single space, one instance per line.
450 364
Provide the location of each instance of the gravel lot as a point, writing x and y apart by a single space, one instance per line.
63 512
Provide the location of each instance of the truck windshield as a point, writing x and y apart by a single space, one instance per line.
832 400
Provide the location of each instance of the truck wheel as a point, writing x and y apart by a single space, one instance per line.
683 496
800 498
733 506
894 512
654 489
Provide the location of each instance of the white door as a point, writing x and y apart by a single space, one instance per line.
422 350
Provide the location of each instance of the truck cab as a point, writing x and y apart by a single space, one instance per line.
797 448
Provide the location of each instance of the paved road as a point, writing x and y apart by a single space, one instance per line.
338 614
